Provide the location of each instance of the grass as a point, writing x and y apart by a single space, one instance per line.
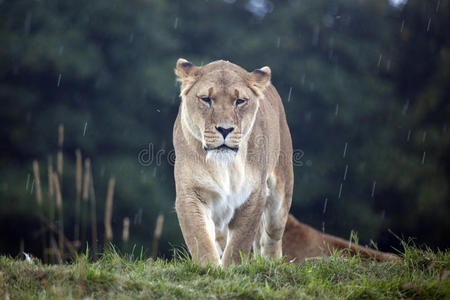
421 274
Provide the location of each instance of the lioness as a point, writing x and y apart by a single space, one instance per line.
233 168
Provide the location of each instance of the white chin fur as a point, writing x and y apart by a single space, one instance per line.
222 156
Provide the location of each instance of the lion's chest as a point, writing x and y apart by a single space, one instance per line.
231 189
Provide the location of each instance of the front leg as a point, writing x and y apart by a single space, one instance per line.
194 226
242 229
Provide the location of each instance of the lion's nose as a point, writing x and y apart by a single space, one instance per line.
224 131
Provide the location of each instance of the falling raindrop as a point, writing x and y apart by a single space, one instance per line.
28 182
315 37
379 60
303 79
345 172
405 107
175 24
32 187
408 137
403 26
423 157
345 150
85 127
290 94
429 24
438 4
325 205
336 111
373 189
59 80
340 191
138 217
158 110
27 23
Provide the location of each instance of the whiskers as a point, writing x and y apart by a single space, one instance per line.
213 141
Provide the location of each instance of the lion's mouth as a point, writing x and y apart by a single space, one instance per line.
222 147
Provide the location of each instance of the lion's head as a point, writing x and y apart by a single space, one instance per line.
220 101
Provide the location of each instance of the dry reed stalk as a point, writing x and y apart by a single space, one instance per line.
85 197
126 229
59 162
51 204
50 180
79 171
57 182
87 173
157 235
78 181
59 206
93 215
108 211
37 179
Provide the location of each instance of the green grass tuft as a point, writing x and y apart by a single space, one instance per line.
421 274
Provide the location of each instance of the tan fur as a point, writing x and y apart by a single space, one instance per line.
301 241
229 201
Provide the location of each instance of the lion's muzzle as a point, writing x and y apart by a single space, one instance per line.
222 139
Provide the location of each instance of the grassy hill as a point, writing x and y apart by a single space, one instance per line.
421 274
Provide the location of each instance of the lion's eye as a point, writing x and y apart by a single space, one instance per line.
206 99
240 101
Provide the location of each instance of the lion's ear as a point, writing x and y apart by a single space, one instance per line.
259 79
187 74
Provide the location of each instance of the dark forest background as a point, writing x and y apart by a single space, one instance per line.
365 84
